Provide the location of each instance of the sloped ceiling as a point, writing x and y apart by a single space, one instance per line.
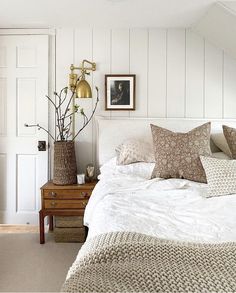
101 13
219 26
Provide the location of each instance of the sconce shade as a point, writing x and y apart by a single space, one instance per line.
83 89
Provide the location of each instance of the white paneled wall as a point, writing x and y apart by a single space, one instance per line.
178 74
194 104
156 75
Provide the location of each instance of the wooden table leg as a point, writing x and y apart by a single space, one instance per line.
41 227
50 223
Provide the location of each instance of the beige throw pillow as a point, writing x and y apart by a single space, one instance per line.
220 155
220 141
221 176
177 154
133 151
230 136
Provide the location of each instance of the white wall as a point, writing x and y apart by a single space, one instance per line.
178 74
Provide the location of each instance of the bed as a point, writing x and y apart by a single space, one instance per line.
153 235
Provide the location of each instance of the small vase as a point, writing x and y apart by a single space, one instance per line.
65 169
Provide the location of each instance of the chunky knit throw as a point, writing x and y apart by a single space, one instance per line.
132 262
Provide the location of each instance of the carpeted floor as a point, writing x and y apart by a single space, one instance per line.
27 266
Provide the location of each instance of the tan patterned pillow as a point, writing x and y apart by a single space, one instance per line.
177 154
133 150
221 176
230 136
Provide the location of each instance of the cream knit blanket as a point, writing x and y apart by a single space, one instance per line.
132 262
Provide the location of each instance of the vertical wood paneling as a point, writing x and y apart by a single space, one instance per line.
194 75
83 50
157 73
102 57
139 66
229 95
120 50
213 81
178 75
64 56
120 57
175 73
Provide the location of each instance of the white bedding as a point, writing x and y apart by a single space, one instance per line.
125 200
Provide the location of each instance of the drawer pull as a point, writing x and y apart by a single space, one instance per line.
84 203
84 194
53 204
53 194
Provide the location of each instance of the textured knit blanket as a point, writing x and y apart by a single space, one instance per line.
132 262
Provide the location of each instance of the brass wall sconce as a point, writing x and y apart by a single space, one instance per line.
78 83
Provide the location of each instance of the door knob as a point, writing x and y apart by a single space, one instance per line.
42 145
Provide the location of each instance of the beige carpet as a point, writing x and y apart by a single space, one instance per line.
27 266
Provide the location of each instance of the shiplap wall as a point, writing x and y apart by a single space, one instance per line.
178 74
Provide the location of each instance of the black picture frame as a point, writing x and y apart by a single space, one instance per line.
120 92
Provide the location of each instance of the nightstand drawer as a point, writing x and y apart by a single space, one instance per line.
67 194
65 204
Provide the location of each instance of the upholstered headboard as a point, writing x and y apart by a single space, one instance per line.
113 131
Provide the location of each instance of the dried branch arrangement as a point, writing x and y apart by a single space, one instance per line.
64 111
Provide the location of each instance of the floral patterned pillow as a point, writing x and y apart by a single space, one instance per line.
178 154
133 151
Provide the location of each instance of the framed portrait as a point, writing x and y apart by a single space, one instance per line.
120 92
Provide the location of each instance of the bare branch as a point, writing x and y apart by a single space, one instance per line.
55 106
64 132
65 89
39 127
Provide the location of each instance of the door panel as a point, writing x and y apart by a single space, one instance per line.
26 105
3 166
23 86
3 105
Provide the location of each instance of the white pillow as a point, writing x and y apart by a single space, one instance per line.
220 141
221 176
133 151
142 170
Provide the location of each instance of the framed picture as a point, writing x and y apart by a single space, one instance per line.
120 92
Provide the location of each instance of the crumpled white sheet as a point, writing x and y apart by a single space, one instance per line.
171 209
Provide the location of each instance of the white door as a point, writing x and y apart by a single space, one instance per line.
23 86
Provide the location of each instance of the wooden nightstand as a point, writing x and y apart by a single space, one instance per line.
63 200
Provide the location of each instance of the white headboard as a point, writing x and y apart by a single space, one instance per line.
113 131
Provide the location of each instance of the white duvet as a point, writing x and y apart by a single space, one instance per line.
125 200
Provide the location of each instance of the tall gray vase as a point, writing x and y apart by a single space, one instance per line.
65 169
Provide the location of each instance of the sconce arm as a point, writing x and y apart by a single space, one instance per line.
83 68
93 64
